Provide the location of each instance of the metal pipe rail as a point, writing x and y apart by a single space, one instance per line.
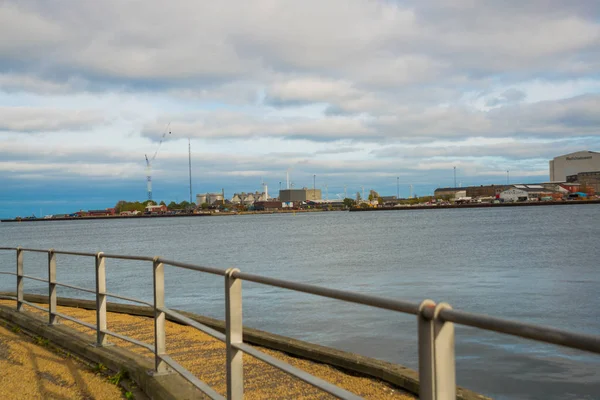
435 324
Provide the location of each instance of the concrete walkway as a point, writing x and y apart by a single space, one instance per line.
205 358
30 370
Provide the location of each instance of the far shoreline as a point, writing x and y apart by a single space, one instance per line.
292 211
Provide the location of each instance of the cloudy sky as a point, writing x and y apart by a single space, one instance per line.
359 93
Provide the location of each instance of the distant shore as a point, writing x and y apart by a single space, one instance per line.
481 205
222 213
288 211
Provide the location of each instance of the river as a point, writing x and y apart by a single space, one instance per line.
532 264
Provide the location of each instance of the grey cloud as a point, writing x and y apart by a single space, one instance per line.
511 95
515 151
31 119
375 43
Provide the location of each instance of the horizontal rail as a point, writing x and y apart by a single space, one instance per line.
208 270
34 306
74 253
8 248
132 299
34 250
75 287
8 273
122 257
298 373
77 321
191 378
3 297
35 278
540 333
369 300
201 327
130 340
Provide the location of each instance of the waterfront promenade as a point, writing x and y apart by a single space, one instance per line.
204 356
31 370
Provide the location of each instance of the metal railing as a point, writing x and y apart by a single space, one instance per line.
435 325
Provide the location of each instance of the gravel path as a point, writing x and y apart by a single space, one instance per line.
205 358
30 370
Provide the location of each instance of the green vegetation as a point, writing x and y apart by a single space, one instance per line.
349 203
129 395
99 368
123 205
41 341
118 377
15 329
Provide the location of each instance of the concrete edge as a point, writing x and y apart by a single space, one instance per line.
395 374
168 386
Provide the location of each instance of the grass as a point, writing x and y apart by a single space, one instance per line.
41 341
118 377
15 329
99 368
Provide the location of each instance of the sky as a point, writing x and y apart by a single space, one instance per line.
346 94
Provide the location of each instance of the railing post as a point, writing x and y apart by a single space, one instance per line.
233 334
100 300
426 352
51 287
19 278
160 347
445 375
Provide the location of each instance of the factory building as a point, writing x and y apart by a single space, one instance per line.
485 191
299 195
450 193
573 164
589 180
528 192
209 198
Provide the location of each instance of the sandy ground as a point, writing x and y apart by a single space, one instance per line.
30 370
205 358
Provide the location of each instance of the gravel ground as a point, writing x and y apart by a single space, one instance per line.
30 370
205 358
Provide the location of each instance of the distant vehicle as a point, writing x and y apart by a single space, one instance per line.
48 216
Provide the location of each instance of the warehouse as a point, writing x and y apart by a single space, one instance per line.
572 164
299 195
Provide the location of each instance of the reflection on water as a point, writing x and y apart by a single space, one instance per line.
534 264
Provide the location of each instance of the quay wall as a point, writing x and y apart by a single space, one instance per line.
395 374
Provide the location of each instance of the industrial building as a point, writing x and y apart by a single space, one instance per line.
209 198
450 193
299 195
573 164
485 191
528 192
589 180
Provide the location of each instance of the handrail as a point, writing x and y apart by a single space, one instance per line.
435 324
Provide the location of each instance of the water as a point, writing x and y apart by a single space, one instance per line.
533 264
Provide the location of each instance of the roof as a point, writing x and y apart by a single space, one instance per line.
458 189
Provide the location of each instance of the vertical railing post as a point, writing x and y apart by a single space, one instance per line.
160 347
233 335
100 300
445 375
19 278
426 352
51 287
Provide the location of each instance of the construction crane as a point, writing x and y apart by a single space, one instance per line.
150 160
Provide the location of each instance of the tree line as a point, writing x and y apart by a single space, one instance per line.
123 205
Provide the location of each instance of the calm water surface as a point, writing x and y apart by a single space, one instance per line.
533 264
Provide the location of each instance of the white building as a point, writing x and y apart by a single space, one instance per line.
514 194
572 164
